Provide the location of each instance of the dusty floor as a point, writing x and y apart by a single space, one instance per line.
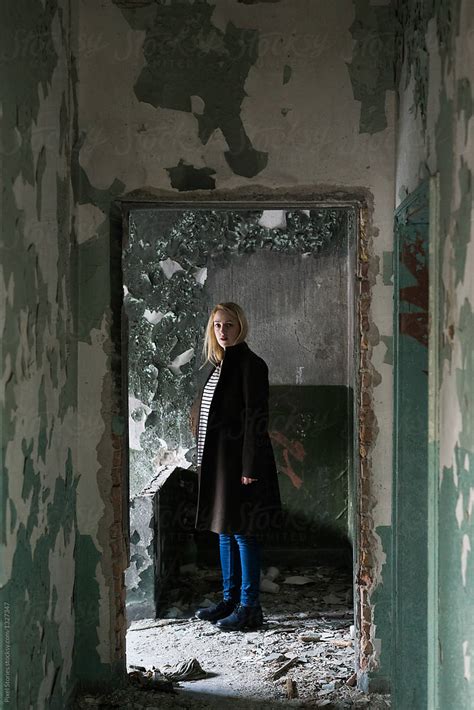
305 643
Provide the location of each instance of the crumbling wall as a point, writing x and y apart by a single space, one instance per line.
276 264
436 136
220 100
39 476
167 261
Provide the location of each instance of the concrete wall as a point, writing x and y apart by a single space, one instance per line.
307 107
128 96
293 272
299 311
38 419
301 321
436 136
299 292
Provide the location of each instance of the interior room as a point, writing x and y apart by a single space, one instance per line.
313 163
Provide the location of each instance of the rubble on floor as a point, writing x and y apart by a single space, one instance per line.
302 657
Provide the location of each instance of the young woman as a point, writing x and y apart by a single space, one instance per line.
238 494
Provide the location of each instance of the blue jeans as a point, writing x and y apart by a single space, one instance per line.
240 562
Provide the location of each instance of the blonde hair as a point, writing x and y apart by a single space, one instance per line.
212 351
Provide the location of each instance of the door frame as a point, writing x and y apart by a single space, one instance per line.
360 203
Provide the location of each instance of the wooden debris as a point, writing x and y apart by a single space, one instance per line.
309 637
285 667
346 614
291 689
158 623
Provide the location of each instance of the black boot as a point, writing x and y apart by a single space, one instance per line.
243 617
216 611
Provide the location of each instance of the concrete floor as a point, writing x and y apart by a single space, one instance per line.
310 622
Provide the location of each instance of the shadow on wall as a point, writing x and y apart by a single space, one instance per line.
311 431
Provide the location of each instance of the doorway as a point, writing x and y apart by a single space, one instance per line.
290 269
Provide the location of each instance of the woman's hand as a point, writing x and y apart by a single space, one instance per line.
246 480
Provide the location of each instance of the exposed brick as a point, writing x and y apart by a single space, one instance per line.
116 495
367 434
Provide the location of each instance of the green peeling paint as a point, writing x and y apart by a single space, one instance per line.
43 417
94 253
387 340
186 177
456 590
387 268
456 559
465 377
13 515
186 55
31 594
21 83
444 153
43 359
451 571
465 101
410 446
463 221
40 168
88 667
372 69
413 18
94 264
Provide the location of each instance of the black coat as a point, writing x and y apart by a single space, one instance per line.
238 444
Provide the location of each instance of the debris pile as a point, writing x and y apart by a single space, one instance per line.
303 656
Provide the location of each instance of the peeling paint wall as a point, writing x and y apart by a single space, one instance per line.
213 99
436 136
39 476
176 265
167 262
210 99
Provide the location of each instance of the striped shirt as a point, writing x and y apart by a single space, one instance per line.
206 400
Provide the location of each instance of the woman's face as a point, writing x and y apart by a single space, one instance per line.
226 328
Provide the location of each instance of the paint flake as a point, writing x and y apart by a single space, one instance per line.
466 549
471 502
181 360
273 219
153 317
460 509
137 420
197 105
201 275
467 660
170 267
